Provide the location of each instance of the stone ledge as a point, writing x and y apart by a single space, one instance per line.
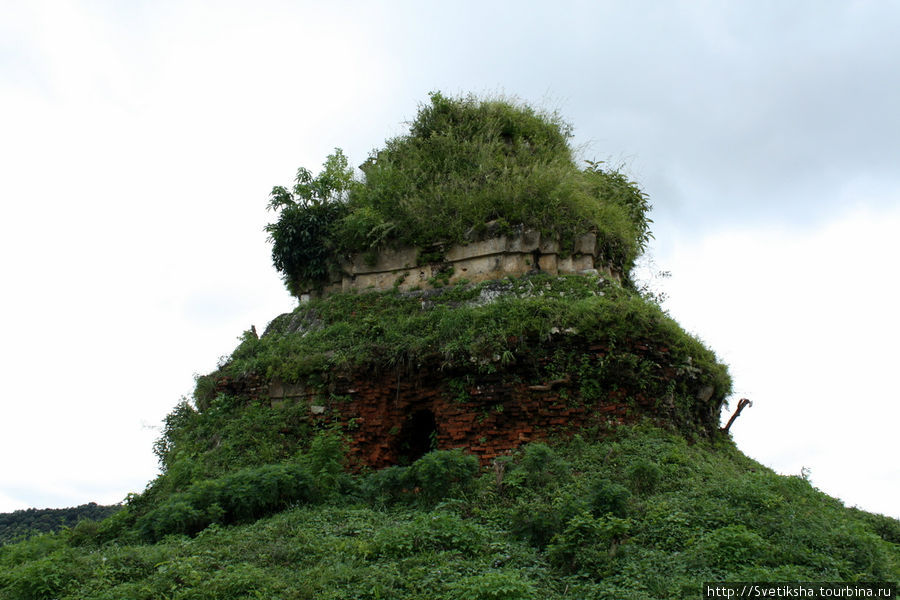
496 257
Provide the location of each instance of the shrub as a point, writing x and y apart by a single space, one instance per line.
884 527
241 496
181 417
174 516
204 391
643 476
430 532
585 544
40 579
535 522
254 492
861 550
607 497
444 473
388 485
325 460
302 239
302 247
728 547
494 585
118 526
86 532
538 468
536 519
234 581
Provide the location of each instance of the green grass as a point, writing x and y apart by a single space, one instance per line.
545 530
465 162
484 325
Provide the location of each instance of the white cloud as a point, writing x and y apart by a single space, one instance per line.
808 323
140 141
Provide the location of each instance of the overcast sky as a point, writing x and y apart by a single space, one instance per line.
139 141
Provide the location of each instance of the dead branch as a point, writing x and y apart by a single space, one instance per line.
741 404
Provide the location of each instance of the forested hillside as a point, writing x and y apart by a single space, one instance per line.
24 523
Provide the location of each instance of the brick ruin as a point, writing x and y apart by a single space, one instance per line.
394 418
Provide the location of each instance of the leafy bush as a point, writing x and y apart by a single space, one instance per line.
728 547
229 434
444 473
41 579
535 522
204 391
178 516
537 519
430 532
234 581
609 498
539 467
586 543
494 585
643 476
237 497
388 485
326 460
302 238
719 515
436 476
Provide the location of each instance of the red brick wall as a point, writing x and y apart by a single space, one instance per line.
498 416
488 418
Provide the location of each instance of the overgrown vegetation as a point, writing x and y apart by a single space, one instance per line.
490 327
642 514
255 498
537 327
464 163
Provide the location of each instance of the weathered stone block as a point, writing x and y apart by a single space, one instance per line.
548 263
294 390
480 260
527 241
496 245
582 262
586 244
549 245
388 259
565 264
516 264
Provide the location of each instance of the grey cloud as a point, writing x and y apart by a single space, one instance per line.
749 111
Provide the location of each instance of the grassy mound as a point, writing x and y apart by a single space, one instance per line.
533 329
483 326
640 515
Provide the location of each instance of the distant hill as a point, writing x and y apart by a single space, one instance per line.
25 523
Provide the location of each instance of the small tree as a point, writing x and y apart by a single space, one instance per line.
302 240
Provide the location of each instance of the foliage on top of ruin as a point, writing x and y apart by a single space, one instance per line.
465 162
